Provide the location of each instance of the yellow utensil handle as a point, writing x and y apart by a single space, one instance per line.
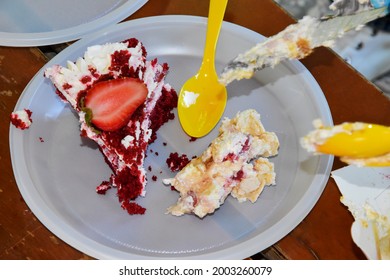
216 13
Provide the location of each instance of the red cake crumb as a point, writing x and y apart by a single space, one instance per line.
176 162
193 139
66 86
41 140
18 121
133 208
85 79
154 178
103 187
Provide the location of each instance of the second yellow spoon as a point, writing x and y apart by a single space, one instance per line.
202 99
363 143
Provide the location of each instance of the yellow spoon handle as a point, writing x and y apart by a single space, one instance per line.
216 13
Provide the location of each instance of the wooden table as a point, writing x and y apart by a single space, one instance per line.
323 234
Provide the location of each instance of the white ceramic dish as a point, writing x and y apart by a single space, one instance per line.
47 22
57 177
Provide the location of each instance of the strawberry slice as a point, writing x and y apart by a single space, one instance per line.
113 102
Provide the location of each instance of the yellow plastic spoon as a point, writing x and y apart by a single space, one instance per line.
363 143
202 99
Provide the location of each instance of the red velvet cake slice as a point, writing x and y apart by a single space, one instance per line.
122 100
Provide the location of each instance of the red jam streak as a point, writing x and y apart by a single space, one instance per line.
239 175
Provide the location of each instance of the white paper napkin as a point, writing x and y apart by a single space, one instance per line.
366 193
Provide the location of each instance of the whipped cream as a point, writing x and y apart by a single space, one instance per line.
189 98
321 133
347 7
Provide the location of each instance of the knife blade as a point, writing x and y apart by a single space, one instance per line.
295 42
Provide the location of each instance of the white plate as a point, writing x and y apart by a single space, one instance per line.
46 22
57 177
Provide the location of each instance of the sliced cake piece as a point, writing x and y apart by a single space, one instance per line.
122 100
235 163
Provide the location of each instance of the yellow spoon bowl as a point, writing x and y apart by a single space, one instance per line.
202 99
360 141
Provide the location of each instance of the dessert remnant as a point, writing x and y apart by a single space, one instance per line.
21 119
235 163
122 100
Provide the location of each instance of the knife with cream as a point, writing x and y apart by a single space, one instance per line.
296 42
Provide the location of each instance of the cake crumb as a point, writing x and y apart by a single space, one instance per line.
133 208
103 187
176 162
21 119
